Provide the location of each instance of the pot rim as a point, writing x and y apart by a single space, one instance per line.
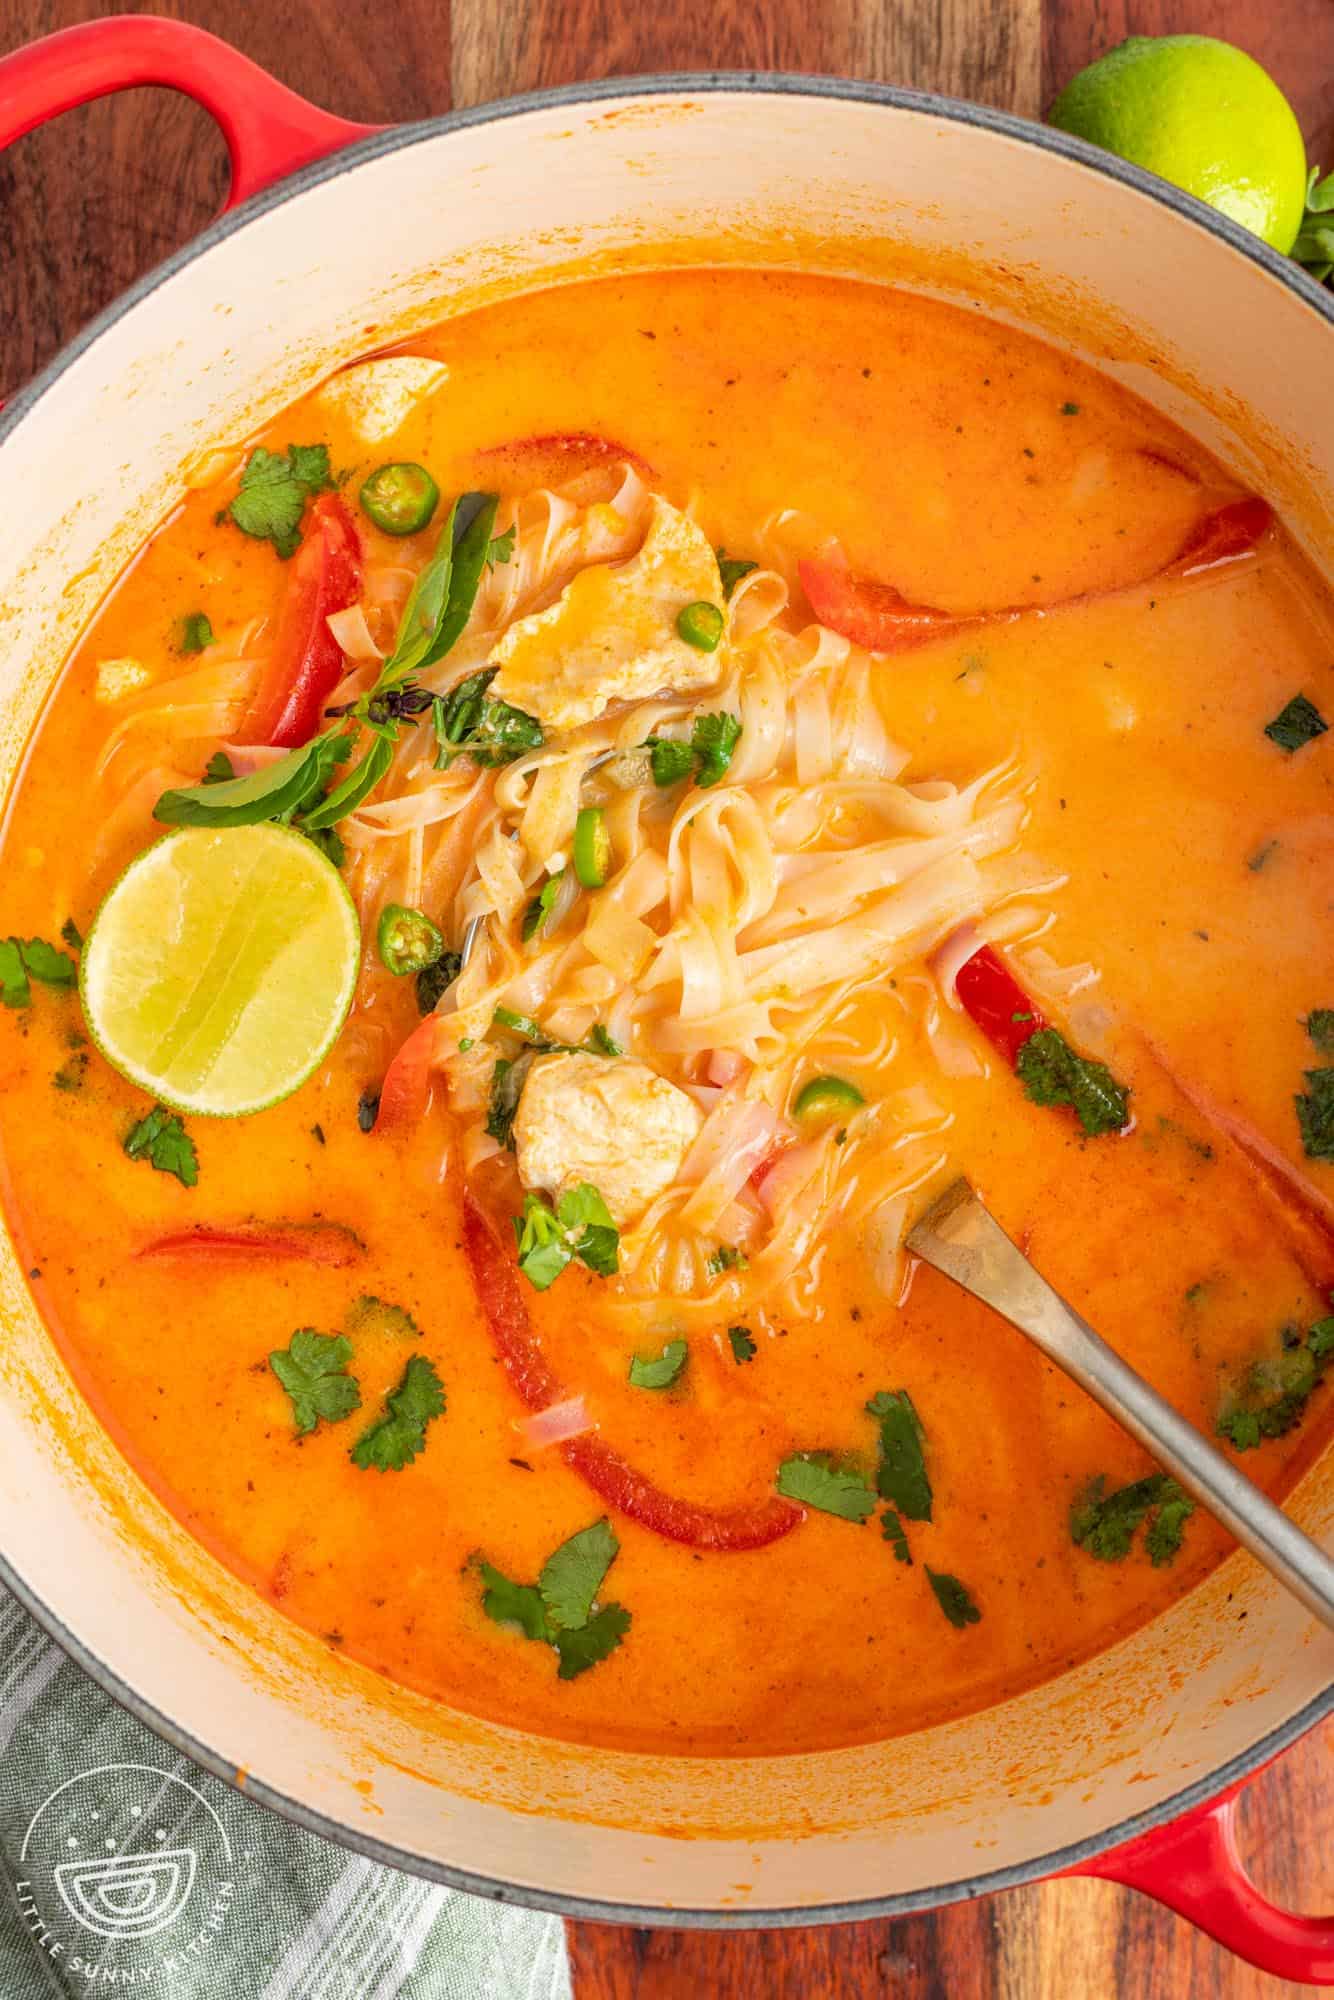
1005 124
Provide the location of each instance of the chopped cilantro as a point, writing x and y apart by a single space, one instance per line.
1319 1026
742 1343
313 1370
1104 1524
954 1598
196 632
14 988
71 934
1315 1114
395 1438
731 569
469 723
1271 1398
572 1576
1069 409
72 1075
580 1226
1296 724
521 1024
501 547
22 958
1053 1073
601 1041
818 1481
559 1609
273 492
726 1258
371 1315
219 768
891 1527
902 1476
162 1140
659 1371
433 979
669 761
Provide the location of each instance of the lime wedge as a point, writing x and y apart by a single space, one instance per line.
220 968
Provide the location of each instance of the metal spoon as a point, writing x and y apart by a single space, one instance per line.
959 1238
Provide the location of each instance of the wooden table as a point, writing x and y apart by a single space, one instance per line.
104 194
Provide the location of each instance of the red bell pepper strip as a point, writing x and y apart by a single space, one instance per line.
407 1081
992 997
327 1243
555 456
611 1478
306 662
878 617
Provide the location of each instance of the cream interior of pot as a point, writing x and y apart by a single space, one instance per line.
362 257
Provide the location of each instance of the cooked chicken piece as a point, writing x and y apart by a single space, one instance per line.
612 1121
611 634
377 397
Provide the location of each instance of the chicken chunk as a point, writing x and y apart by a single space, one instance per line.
613 1122
611 634
376 398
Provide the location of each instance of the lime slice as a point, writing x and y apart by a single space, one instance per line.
1205 116
221 966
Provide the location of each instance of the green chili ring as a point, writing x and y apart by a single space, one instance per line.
400 498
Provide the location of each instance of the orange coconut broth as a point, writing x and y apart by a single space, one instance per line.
940 448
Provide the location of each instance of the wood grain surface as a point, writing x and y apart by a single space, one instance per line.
108 191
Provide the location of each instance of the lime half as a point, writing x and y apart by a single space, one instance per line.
1205 116
221 966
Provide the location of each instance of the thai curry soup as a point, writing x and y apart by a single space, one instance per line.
785 743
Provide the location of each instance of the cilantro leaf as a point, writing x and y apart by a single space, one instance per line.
395 1438
469 723
313 1370
661 1370
1054 1073
510 1603
1297 723
559 1609
1320 1027
902 1476
583 1648
580 1226
731 570
713 739
891 1527
1315 1114
573 1574
162 1140
817 1481
218 768
543 1250
196 632
371 1315
742 1342
669 760
501 547
273 492
14 988
1104 1524
42 961
954 1598
1271 1398
273 792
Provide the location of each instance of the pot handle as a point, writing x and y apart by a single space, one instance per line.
1193 1867
269 130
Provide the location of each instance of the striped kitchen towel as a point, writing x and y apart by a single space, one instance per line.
126 1868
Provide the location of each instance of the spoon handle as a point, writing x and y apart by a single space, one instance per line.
960 1238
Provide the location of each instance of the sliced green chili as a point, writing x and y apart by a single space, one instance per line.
400 498
407 939
701 626
592 848
826 1097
